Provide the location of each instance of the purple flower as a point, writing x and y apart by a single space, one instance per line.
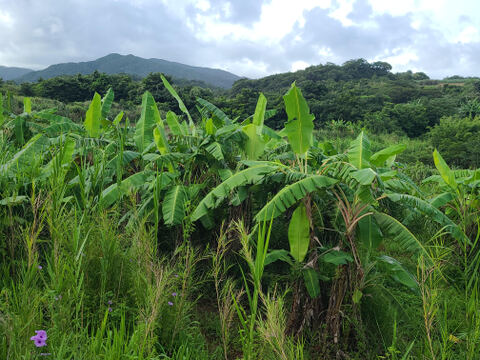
41 334
174 294
170 303
109 302
110 309
40 339
40 267
176 275
39 342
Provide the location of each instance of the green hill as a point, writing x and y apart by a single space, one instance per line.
134 65
11 73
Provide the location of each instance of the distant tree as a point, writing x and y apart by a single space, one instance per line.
358 68
407 75
454 77
381 68
420 76
100 82
27 89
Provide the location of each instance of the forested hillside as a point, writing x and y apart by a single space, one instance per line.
11 73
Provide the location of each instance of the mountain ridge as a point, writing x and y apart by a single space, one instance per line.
11 73
115 63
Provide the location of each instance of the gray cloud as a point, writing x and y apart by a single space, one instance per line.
48 31
242 11
84 30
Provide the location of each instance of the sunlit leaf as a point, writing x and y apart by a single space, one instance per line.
93 117
359 152
447 175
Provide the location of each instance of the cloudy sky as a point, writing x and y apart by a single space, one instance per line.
250 38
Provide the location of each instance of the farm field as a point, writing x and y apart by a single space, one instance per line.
175 235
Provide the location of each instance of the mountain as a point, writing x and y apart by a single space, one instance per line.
134 65
11 73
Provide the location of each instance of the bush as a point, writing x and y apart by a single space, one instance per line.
458 140
381 122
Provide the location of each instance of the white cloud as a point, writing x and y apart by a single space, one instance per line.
395 8
344 8
468 35
299 65
276 21
6 20
400 57
203 5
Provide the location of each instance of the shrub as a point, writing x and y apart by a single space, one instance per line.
458 140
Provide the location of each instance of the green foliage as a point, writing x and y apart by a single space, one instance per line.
174 125
110 212
299 233
27 105
359 152
144 127
24 158
458 141
173 206
181 105
290 194
300 122
160 139
255 143
2 110
411 118
107 103
218 194
442 167
312 282
379 158
93 117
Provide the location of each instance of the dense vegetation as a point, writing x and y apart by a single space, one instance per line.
208 234
356 95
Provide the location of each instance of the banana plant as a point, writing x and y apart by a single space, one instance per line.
356 183
159 183
459 202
